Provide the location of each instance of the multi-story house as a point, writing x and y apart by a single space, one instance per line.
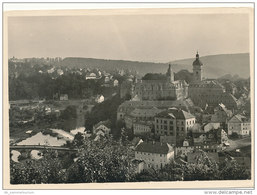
141 127
174 122
239 124
154 154
103 126
145 115
183 148
221 115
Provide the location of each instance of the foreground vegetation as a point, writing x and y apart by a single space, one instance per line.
108 160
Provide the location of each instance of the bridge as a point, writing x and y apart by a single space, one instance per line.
40 147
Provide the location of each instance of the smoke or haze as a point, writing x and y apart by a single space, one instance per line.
157 38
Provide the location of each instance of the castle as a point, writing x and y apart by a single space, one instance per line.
208 92
158 92
160 87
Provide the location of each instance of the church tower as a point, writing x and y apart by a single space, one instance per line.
197 69
170 74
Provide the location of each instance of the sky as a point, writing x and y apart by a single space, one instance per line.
152 38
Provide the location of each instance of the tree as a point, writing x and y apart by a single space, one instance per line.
231 170
46 170
234 135
106 110
104 161
78 139
69 113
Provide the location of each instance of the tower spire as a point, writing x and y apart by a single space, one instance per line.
170 74
197 55
197 68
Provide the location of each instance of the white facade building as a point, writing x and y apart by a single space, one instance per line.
239 124
154 154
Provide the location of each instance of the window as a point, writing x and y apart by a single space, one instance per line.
182 122
171 122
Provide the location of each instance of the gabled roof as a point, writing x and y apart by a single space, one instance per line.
239 118
179 143
135 140
154 147
210 83
106 123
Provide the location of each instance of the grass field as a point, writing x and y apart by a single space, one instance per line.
239 143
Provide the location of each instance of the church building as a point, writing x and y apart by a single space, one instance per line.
161 87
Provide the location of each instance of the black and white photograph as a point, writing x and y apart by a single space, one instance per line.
120 96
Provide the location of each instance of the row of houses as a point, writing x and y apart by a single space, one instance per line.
177 121
156 155
180 135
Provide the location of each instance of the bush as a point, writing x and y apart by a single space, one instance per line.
234 135
69 113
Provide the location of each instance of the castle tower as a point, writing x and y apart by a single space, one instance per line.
170 74
197 69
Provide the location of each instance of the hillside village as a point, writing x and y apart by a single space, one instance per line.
152 122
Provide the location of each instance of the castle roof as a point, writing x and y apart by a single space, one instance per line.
210 83
153 103
154 147
154 76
